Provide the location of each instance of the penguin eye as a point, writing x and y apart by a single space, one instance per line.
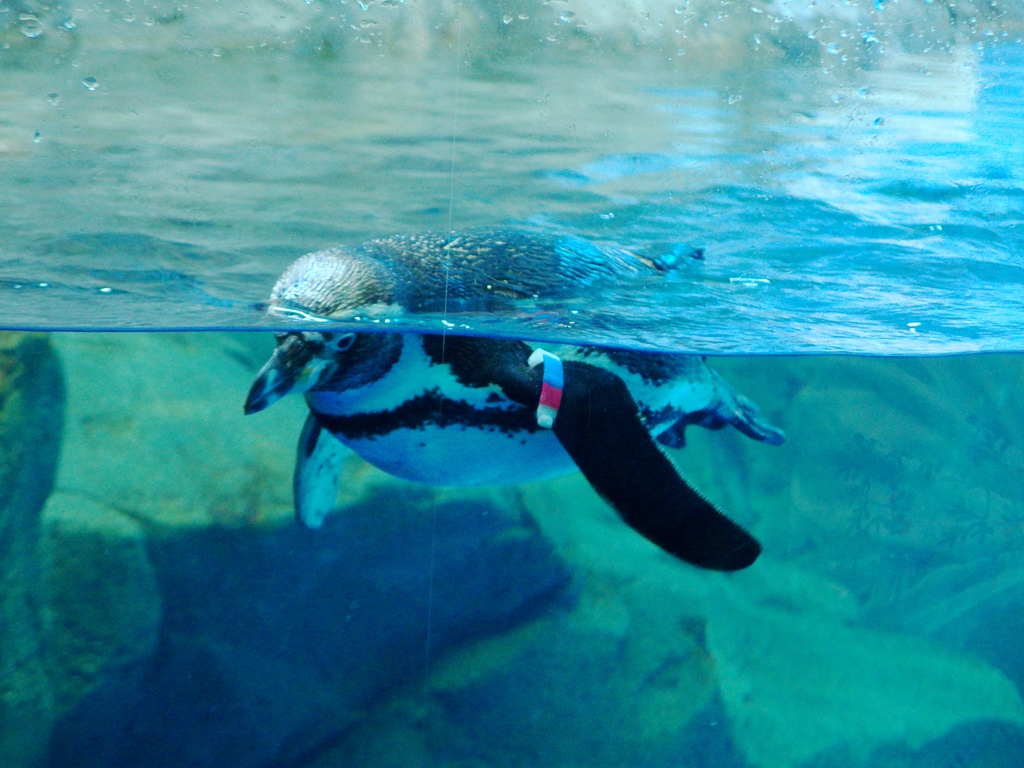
345 342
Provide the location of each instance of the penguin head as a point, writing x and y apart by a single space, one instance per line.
311 361
327 284
334 283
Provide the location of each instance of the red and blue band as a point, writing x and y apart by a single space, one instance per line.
551 388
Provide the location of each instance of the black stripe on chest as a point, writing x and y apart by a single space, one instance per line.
431 409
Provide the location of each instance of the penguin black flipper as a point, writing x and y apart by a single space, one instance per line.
318 463
599 426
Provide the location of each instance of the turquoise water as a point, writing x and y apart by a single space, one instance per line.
863 202
853 173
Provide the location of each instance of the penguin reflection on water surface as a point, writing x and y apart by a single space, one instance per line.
458 410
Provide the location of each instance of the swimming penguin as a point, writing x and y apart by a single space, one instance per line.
460 410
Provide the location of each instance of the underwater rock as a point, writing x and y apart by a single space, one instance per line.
103 600
894 470
31 419
976 607
153 429
975 745
274 641
622 678
799 684
801 672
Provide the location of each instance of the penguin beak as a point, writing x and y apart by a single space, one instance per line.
288 370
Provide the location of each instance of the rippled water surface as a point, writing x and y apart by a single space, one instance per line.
860 195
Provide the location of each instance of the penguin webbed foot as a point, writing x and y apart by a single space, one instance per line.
751 422
728 409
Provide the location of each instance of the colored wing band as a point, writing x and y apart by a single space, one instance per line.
551 388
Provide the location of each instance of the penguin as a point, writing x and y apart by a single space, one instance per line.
449 409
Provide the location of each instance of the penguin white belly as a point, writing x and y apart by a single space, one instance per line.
419 422
457 455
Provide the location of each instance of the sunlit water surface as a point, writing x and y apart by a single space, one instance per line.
871 209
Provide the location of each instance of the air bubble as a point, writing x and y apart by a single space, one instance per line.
749 282
833 48
30 26
91 83
566 16
507 19
53 98
37 137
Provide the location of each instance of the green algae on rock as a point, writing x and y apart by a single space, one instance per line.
104 602
31 421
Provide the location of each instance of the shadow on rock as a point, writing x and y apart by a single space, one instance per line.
273 642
